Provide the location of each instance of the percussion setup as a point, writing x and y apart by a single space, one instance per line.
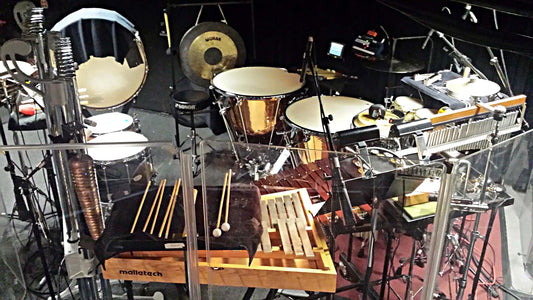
262 105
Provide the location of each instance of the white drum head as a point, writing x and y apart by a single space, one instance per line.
306 112
110 122
105 83
257 81
112 153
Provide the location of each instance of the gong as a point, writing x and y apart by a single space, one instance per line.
208 49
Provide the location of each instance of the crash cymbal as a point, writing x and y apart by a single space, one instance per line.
208 49
472 87
394 66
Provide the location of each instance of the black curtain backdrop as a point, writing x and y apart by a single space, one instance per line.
281 31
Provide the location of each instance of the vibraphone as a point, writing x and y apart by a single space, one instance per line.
469 128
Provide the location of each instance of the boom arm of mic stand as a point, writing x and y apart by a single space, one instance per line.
338 181
463 59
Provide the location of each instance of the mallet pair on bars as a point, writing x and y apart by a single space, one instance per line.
226 188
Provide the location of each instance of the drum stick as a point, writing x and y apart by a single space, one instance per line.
217 232
167 27
172 210
153 205
172 197
140 207
158 207
225 225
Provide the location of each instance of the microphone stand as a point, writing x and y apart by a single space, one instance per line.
463 59
339 192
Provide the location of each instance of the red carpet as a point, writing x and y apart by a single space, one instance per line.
403 243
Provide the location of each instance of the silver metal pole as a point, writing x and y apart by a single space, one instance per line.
438 236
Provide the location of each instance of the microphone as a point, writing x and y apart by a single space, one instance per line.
469 13
430 33
377 111
306 56
468 7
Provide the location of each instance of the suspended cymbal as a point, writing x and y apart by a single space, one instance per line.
394 66
210 48
473 87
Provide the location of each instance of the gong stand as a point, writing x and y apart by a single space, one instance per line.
171 4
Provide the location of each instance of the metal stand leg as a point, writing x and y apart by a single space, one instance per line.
483 251
193 136
271 294
410 274
384 276
249 293
473 237
177 125
370 260
129 289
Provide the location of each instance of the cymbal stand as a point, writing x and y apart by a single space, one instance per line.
502 72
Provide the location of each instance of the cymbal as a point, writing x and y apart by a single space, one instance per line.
208 49
473 87
394 66
322 73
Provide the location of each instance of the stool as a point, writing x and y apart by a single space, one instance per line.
189 102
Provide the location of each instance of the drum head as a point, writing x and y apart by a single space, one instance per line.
111 58
105 83
112 153
257 81
110 122
305 113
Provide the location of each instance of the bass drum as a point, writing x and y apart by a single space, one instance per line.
304 118
121 170
254 100
110 54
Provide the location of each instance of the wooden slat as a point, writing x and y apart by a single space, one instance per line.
273 212
265 238
282 226
300 222
291 223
